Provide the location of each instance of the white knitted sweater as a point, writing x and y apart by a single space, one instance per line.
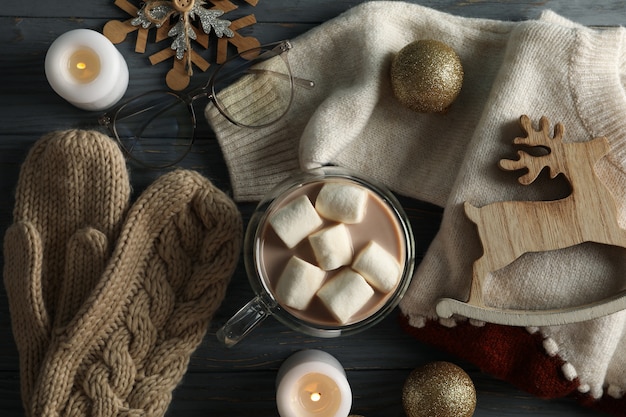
546 67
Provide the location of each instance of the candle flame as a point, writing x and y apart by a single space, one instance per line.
83 65
316 396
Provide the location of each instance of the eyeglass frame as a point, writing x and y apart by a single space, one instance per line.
279 49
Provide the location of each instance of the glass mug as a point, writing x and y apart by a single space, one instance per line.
265 256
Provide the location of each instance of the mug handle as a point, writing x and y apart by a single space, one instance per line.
242 323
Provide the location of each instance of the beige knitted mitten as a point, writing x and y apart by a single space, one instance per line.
129 344
71 196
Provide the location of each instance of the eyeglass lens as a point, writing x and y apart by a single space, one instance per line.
156 129
254 89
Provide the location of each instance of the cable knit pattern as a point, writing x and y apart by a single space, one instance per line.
129 345
119 341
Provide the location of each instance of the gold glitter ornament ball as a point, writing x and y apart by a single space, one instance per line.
426 76
439 389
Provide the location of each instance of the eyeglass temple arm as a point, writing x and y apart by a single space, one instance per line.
300 82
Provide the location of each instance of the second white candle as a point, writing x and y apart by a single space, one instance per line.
312 383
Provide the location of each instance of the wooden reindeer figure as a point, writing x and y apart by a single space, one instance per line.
511 228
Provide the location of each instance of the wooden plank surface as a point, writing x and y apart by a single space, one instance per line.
240 381
587 12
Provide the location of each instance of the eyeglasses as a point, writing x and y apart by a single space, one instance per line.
253 89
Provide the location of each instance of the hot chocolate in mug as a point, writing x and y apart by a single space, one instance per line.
327 253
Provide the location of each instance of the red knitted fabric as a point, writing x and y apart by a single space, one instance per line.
511 354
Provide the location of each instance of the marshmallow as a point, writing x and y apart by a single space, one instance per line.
342 202
298 283
332 247
345 294
295 221
378 267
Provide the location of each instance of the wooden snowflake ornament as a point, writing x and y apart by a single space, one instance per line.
510 229
183 21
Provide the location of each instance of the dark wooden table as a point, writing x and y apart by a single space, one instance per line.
239 381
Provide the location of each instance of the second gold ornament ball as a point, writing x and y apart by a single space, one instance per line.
426 76
439 389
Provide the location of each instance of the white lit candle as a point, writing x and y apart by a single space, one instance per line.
312 383
86 69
